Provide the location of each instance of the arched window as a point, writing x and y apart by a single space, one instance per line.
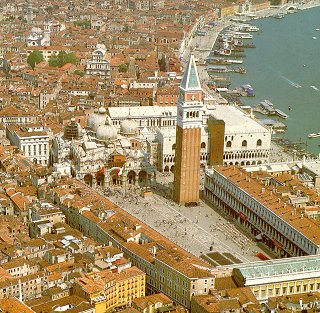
174 146
228 144
259 143
244 143
203 145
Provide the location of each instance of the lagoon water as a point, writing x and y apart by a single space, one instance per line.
287 55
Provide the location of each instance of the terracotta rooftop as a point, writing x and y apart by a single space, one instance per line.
267 196
13 305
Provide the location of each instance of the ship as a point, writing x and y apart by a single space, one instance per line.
280 113
245 28
268 108
217 69
239 35
222 52
314 135
223 61
248 90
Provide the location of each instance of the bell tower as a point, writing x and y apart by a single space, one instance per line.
186 184
46 32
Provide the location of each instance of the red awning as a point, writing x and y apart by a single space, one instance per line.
277 244
242 216
262 257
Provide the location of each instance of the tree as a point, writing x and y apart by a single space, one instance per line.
78 72
84 24
34 58
63 58
123 68
49 9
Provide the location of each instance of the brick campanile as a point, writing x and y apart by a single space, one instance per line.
186 183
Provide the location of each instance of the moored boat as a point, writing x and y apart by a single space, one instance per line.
223 61
217 69
237 49
240 70
280 113
239 35
314 135
248 90
222 52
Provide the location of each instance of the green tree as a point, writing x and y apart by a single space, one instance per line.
84 24
123 68
78 72
49 9
34 58
63 58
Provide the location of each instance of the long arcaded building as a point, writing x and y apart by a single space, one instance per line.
272 208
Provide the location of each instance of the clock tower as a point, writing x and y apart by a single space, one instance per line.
186 184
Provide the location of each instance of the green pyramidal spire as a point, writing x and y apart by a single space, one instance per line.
190 80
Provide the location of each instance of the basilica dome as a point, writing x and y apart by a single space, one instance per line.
106 133
128 128
97 119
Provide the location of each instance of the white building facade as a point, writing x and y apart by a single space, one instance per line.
33 140
246 141
98 65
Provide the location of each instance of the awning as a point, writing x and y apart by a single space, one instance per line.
242 216
277 244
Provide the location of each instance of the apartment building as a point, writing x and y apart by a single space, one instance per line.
26 287
108 290
169 269
12 115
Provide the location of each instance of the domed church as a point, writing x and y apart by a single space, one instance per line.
106 156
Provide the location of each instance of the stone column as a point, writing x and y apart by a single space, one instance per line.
106 182
123 183
94 181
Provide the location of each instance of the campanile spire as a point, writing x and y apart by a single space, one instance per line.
188 137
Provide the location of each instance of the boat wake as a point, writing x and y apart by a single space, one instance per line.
314 88
290 82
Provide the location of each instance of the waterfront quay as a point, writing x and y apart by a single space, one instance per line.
201 47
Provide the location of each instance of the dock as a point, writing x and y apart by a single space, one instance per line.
266 107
